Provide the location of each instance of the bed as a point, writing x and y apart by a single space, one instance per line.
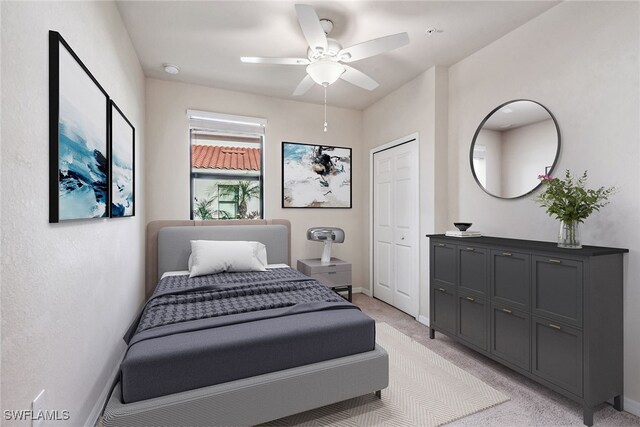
260 365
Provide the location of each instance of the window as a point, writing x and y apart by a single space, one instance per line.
226 166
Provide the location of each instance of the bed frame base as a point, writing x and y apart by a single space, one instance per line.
259 399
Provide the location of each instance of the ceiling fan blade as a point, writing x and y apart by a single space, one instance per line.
282 61
304 86
311 28
373 47
358 78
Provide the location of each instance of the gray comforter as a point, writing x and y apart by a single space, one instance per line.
245 323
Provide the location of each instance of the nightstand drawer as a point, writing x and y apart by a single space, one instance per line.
333 278
314 266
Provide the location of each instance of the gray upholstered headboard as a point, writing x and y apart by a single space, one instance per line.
169 242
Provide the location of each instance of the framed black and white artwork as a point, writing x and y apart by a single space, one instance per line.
78 137
122 137
315 176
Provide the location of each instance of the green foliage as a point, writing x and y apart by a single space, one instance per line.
242 194
203 208
568 200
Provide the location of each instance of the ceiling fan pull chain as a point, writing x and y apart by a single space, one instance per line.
325 108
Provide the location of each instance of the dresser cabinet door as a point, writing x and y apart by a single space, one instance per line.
557 354
444 269
444 308
473 266
557 289
510 336
472 320
510 278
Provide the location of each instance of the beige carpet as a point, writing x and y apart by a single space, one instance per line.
424 390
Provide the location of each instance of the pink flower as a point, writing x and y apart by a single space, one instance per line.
545 177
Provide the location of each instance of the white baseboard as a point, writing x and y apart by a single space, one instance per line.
92 420
423 319
361 291
631 406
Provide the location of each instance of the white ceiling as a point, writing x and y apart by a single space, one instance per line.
516 114
206 39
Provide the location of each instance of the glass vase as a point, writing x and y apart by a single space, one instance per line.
569 235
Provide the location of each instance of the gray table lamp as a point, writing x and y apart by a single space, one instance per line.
328 235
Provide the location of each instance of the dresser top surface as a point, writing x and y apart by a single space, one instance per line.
585 251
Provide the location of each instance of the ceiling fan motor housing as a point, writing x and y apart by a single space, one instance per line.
333 47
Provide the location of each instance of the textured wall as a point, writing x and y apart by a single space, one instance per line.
69 290
580 60
167 156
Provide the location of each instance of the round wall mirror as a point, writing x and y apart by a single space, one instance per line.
515 143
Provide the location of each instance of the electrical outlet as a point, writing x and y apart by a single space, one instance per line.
37 405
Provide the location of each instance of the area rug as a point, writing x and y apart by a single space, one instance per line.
424 390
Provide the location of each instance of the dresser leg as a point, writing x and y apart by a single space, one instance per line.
432 333
587 415
379 394
617 403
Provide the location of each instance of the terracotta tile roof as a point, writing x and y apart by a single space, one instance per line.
232 158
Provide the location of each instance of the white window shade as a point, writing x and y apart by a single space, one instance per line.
226 122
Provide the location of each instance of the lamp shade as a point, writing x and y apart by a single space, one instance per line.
325 72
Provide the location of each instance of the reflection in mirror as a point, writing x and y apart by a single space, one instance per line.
514 144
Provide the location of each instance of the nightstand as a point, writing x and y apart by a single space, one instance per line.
336 274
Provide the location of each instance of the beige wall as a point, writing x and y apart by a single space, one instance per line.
69 290
417 107
580 60
167 156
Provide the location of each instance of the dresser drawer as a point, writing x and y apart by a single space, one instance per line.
557 354
472 320
473 269
444 270
444 308
333 278
510 278
510 336
557 289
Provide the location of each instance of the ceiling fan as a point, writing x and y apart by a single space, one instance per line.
326 59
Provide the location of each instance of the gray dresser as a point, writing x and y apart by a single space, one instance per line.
551 314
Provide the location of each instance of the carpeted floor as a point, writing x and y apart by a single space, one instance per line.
425 390
531 404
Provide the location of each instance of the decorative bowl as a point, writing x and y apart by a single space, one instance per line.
462 226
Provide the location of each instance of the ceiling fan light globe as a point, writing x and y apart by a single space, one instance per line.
325 72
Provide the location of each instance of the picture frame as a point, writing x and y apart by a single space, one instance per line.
78 137
316 176
122 137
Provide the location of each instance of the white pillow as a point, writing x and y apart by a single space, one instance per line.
215 256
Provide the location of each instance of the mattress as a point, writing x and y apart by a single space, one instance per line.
199 332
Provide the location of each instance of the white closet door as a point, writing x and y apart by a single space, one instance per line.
395 232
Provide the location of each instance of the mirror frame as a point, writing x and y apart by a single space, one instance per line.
475 136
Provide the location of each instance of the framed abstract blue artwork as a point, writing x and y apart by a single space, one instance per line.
122 164
315 176
78 137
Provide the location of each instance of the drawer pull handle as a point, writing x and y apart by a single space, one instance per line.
332 272
556 261
551 325
470 249
442 290
470 299
506 253
506 310
441 244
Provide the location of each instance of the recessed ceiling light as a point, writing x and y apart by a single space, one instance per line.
170 68
507 110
